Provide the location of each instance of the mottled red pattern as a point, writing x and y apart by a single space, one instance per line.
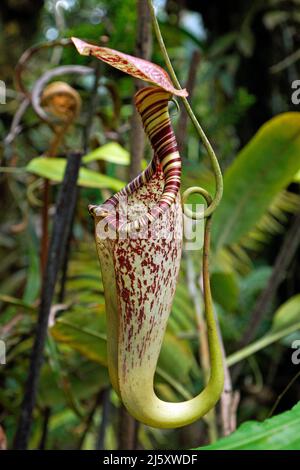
142 268
134 66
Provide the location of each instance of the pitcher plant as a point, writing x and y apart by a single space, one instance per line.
139 235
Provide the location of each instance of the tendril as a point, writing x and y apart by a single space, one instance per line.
213 159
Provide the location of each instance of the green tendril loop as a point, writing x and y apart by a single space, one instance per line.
213 159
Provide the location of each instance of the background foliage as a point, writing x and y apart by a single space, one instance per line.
242 96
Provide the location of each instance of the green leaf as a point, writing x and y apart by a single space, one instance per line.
262 169
111 152
84 333
89 378
16 302
287 314
225 289
54 168
278 433
297 177
176 358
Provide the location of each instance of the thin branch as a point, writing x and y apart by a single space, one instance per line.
289 385
46 419
85 144
15 127
128 429
229 398
106 406
286 62
27 55
89 420
45 78
62 220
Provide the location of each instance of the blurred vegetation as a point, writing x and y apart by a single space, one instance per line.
242 97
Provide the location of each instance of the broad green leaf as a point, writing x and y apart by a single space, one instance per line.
278 433
176 358
297 177
225 289
111 152
262 169
287 314
54 168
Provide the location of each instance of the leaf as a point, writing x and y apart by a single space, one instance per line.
264 167
138 68
297 177
89 378
84 333
54 168
278 433
225 289
251 286
111 152
176 358
287 314
16 302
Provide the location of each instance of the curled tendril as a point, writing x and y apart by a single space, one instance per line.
214 161
61 100
173 100
195 190
43 92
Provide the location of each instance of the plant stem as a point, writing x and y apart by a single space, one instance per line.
89 420
52 152
85 145
214 161
261 343
203 352
291 382
46 419
128 428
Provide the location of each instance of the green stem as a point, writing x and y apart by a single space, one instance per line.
214 161
260 344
